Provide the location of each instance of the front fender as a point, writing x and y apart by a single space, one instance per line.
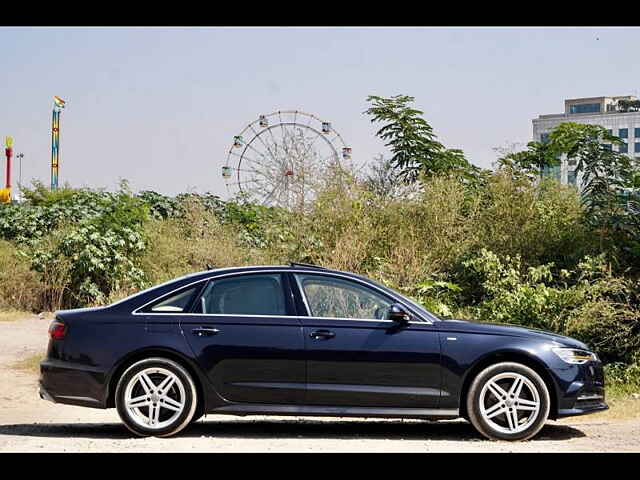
465 354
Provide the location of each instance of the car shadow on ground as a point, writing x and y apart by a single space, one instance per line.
283 429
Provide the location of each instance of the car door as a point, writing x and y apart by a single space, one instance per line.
246 337
355 357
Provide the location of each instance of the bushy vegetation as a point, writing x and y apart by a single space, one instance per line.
502 246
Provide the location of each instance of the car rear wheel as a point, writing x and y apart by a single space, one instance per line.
156 397
508 401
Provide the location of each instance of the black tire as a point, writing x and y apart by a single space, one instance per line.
535 421
198 415
188 395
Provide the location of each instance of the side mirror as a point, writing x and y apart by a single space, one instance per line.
398 314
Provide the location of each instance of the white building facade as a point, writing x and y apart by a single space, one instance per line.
601 111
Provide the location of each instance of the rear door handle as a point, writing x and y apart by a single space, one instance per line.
205 332
318 334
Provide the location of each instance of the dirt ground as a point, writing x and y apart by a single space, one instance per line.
29 424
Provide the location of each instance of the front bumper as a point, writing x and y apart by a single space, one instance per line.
584 405
580 389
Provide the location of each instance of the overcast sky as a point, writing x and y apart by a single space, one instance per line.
160 106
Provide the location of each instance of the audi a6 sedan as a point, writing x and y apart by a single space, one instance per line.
305 340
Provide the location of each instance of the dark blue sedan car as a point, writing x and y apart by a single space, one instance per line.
305 340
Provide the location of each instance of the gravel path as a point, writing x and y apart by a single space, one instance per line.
29 424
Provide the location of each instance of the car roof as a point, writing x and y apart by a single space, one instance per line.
155 291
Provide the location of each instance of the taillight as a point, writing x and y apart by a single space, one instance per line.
57 330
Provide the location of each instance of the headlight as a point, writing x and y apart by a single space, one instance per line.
575 356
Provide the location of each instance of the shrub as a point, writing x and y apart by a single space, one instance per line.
192 243
86 260
589 303
540 224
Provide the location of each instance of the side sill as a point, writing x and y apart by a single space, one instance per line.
325 411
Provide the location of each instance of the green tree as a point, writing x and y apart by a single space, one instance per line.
533 160
610 182
412 141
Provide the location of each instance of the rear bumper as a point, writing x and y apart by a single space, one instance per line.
44 395
72 384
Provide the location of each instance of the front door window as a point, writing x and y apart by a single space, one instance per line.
329 297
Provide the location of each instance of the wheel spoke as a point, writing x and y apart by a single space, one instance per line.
147 383
150 416
165 385
497 390
512 426
495 413
168 401
492 408
170 405
526 407
141 401
516 387
529 403
514 413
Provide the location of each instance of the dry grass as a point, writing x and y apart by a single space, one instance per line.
19 286
621 407
13 315
30 364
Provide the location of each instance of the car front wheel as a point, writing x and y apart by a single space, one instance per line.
156 397
508 401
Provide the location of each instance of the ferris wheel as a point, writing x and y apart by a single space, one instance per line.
278 158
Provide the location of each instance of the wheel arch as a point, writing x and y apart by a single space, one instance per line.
509 356
148 352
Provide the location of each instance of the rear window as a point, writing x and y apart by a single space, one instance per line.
178 302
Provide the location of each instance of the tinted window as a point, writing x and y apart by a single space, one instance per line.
336 298
636 132
624 148
175 303
243 295
585 108
623 133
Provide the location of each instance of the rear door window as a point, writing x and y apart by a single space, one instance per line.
260 294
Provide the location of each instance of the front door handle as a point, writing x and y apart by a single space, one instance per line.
325 334
205 332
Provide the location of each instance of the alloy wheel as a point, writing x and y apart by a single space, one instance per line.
509 402
154 398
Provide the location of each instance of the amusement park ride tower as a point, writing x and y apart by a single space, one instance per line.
58 104
5 193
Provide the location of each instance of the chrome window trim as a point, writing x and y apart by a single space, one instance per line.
280 270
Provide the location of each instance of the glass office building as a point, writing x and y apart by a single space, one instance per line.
603 111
